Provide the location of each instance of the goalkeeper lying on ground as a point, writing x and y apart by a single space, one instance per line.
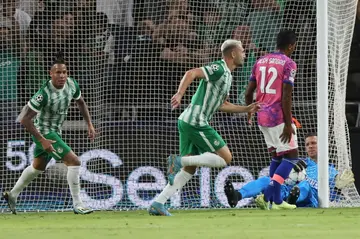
304 194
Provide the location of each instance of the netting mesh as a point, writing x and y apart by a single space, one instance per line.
128 58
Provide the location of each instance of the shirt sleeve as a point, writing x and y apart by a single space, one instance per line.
77 93
289 72
213 72
38 101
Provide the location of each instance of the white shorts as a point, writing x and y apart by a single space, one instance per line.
273 142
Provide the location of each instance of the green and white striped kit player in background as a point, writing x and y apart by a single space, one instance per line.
49 106
200 144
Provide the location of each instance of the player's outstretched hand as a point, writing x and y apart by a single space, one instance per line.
91 132
253 108
176 101
47 145
287 133
249 117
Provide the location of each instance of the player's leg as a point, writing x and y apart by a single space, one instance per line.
64 153
254 188
274 164
30 173
249 190
289 151
264 200
177 179
210 143
73 163
271 145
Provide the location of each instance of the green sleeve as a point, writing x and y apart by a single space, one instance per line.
213 72
38 101
77 93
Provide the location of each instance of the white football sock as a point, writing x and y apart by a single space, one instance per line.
25 179
204 160
179 181
73 178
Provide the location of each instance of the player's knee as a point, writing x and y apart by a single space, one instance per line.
39 164
71 159
190 169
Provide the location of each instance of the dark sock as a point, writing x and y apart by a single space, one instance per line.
281 173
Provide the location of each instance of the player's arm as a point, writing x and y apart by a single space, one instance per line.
188 78
249 93
286 101
84 110
27 121
232 108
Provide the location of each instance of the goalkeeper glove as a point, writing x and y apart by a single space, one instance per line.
296 122
345 179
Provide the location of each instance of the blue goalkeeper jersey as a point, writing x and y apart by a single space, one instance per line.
312 174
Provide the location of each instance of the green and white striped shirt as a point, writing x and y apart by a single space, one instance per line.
210 94
52 105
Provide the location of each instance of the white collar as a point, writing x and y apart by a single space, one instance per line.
226 67
53 88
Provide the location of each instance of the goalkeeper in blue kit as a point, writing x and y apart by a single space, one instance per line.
305 193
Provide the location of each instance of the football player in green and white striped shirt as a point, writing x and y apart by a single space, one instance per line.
200 144
49 106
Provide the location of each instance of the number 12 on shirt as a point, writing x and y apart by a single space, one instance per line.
267 89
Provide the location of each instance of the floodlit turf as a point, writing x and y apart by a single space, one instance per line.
252 224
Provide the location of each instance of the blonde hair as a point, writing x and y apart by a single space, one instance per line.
229 45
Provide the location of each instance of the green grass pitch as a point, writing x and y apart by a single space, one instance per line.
253 224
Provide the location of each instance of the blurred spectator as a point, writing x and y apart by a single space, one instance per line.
18 18
19 21
173 35
300 16
242 74
265 12
104 48
29 6
9 65
234 13
142 48
40 27
154 11
119 12
208 29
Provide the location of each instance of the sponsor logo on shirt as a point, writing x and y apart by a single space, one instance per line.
313 183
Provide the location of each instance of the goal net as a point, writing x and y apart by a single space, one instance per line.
128 58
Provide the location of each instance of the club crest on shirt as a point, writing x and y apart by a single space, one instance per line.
60 150
216 142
